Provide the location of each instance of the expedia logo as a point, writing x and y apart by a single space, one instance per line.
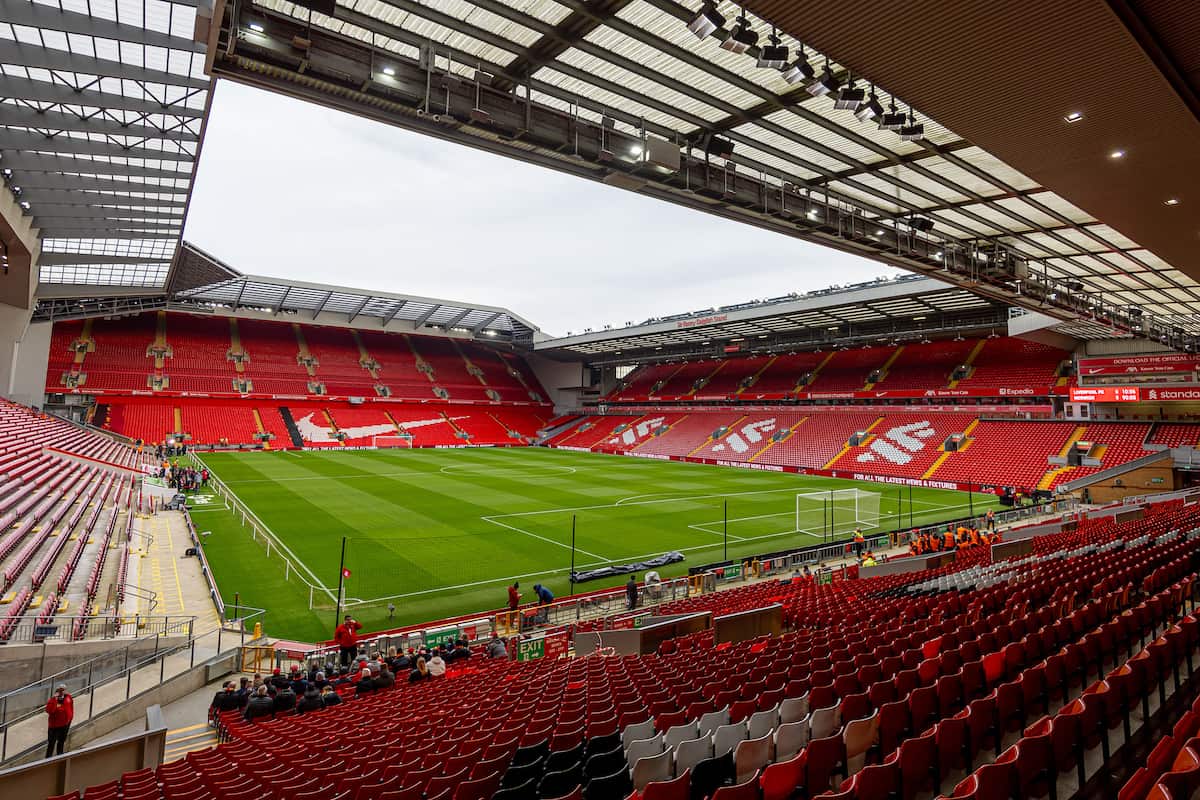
1015 392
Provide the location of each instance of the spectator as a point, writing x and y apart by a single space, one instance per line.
420 672
514 596
544 595
329 697
319 681
496 648
343 678
386 679
460 652
401 662
243 693
631 593
260 705
285 700
277 680
60 710
346 636
437 665
311 701
224 700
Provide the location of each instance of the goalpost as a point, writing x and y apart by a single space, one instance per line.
837 511
382 441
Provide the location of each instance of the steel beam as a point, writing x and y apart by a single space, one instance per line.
18 159
421 320
82 183
50 259
18 139
66 197
63 61
15 116
480 326
18 88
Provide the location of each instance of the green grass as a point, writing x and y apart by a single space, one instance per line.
441 532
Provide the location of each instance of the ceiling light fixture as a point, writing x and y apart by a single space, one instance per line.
824 84
774 55
1171 201
706 22
800 70
870 109
1073 117
914 131
389 71
893 120
1117 154
742 38
256 27
850 97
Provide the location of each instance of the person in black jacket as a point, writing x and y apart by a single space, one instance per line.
386 679
260 705
329 697
285 700
224 700
311 701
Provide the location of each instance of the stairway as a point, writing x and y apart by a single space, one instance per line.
182 741
883 371
969 362
289 422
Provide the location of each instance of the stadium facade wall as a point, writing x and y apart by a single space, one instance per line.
562 380
23 361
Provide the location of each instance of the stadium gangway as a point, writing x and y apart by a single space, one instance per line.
30 627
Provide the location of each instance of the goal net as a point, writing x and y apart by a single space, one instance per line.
391 440
837 511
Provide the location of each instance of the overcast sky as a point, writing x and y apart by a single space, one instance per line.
288 189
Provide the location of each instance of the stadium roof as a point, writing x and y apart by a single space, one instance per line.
606 79
909 306
102 106
199 282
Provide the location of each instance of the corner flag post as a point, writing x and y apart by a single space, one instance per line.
571 574
970 500
341 577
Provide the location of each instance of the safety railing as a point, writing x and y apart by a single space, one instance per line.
30 628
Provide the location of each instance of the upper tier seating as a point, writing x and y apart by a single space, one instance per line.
847 370
781 376
1176 435
728 380
1120 443
682 382
926 366
640 383
872 691
1018 363
200 349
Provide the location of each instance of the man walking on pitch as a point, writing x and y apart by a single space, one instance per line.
346 636
60 710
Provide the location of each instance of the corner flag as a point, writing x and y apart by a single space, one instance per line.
345 572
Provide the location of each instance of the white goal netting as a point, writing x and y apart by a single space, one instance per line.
837 511
381 441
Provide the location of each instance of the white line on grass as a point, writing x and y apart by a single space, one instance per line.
536 536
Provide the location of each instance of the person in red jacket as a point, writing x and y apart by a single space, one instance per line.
60 709
514 596
346 636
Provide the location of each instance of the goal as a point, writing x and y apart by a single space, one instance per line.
391 440
837 511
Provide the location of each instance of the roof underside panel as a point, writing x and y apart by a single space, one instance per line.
101 109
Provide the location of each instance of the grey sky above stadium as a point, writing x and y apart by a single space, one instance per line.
291 190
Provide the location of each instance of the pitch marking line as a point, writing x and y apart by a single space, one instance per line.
543 538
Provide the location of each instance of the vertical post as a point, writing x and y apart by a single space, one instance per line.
236 601
832 528
910 514
725 528
970 501
341 577
899 509
571 574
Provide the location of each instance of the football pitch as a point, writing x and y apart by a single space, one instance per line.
440 533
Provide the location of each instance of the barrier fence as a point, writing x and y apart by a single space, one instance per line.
29 629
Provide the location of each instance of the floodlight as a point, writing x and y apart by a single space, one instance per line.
850 98
256 27
706 22
869 110
914 131
774 55
824 84
800 70
742 38
893 120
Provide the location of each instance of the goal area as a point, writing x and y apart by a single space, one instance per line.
391 441
836 511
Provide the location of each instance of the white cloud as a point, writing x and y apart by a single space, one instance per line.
293 190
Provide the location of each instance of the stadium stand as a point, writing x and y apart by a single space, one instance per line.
1006 453
1004 361
927 365
848 370
1176 435
1023 675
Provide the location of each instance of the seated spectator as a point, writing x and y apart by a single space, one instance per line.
244 691
224 700
278 680
437 665
285 700
366 684
401 662
496 648
260 705
420 672
319 681
329 697
460 653
386 679
343 678
311 701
